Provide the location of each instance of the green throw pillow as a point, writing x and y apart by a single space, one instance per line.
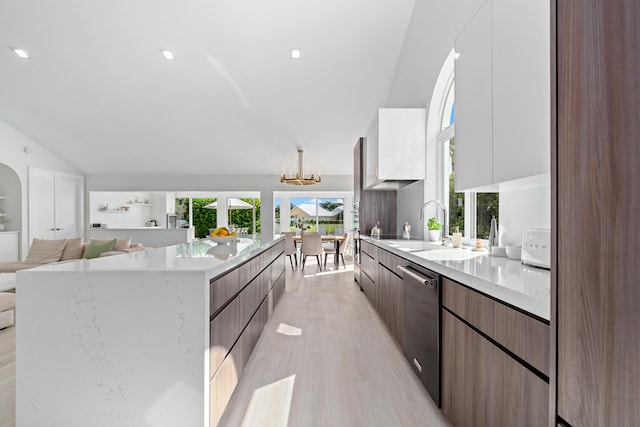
96 248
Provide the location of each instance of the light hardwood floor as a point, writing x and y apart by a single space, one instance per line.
326 359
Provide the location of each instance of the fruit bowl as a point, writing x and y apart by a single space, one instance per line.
223 239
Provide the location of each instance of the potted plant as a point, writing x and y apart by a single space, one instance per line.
435 229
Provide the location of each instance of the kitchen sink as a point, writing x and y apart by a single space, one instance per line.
414 245
449 253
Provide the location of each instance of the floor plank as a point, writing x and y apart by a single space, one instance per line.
344 369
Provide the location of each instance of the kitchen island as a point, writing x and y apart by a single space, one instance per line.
135 339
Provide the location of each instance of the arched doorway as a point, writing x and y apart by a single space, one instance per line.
10 214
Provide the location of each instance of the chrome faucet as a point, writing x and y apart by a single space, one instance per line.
445 233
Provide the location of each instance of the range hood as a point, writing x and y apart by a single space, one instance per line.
391 184
394 149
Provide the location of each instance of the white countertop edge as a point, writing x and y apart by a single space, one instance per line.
539 307
133 263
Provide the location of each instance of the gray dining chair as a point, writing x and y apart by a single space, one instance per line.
332 250
311 246
290 248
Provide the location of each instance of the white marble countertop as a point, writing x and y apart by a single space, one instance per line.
201 255
524 287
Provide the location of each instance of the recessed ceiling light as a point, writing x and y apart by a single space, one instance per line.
296 54
21 53
167 54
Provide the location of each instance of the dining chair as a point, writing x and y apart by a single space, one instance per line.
290 248
332 250
311 246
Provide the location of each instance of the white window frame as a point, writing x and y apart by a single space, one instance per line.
470 199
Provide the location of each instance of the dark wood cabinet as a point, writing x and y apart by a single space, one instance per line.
382 285
375 205
483 386
391 288
494 360
237 323
596 186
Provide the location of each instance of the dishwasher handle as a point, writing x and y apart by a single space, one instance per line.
425 280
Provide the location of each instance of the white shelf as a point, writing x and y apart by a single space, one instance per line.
114 211
138 204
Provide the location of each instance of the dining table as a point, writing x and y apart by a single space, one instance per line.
328 238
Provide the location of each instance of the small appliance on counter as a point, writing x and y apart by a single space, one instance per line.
376 231
406 231
536 248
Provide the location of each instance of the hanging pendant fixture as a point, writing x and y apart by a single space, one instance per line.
299 178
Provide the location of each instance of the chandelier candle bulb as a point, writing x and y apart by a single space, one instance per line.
300 178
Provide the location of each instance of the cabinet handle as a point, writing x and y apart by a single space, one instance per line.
424 280
52 229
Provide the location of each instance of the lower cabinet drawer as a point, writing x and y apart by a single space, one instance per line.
224 383
482 386
523 335
223 332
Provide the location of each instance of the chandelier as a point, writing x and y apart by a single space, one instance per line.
300 179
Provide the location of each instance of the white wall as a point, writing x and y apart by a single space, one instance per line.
521 210
12 154
265 184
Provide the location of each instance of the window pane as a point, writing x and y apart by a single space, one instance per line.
331 216
487 206
203 218
448 113
277 215
455 200
303 214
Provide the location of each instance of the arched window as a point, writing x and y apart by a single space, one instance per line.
469 211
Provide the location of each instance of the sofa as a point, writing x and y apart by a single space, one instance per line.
43 251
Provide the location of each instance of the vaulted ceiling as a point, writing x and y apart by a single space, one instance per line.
98 93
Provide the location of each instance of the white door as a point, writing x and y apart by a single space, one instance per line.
67 207
55 205
41 204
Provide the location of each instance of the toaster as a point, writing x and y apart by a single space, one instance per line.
536 248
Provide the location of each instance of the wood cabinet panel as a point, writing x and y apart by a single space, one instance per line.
483 386
391 261
225 287
236 328
224 383
597 176
525 336
370 290
390 302
368 262
224 330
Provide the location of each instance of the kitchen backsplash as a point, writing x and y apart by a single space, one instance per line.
522 210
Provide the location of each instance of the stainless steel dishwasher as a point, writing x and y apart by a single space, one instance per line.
421 325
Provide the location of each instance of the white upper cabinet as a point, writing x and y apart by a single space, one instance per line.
521 89
395 148
474 135
503 94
